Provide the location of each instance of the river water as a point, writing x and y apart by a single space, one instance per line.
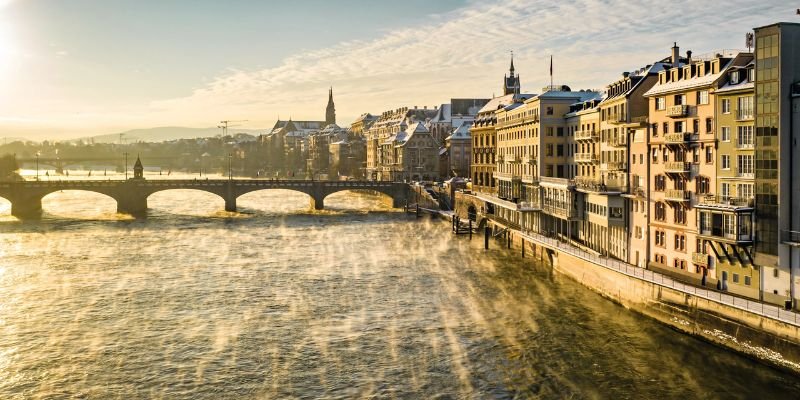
357 301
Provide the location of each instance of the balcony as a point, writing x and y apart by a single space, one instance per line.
744 115
792 238
726 227
598 186
677 167
745 145
711 202
618 141
678 111
586 134
680 138
700 259
585 157
559 209
677 195
744 174
566 183
616 118
614 166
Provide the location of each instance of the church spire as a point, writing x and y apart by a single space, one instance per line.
330 111
511 82
512 64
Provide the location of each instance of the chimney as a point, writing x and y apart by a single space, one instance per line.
676 51
689 57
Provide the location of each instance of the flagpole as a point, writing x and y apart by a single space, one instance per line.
551 72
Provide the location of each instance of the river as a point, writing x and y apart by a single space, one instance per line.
357 301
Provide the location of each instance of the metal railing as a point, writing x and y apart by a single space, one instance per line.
792 237
676 167
680 137
677 195
678 111
585 157
719 201
586 134
755 307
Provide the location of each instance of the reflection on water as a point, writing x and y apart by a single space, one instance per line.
281 302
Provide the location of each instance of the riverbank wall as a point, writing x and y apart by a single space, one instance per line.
772 341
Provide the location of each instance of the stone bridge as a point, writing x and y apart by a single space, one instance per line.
131 195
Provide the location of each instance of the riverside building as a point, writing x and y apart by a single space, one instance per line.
683 159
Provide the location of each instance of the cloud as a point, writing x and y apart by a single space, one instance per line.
465 53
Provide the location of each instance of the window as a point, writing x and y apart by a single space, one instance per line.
654 129
747 280
735 278
725 159
726 106
661 103
548 150
725 133
744 107
549 110
680 99
679 126
661 212
665 154
734 77
655 156
559 131
680 242
660 183
744 164
703 185
725 191
709 125
680 215
560 150
665 127
709 155
696 155
744 137
660 238
744 190
702 97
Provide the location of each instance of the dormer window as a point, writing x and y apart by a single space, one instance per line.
751 75
734 77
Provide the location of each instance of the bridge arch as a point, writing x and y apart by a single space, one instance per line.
384 196
80 203
5 206
173 200
263 199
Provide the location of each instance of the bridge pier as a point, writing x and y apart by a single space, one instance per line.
27 208
133 205
317 203
230 204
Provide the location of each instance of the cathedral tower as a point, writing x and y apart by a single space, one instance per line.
511 82
330 111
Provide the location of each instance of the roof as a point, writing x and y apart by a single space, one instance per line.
461 133
695 82
502 101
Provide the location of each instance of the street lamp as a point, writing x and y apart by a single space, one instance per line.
230 166
38 153
126 165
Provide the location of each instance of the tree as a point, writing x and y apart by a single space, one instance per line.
8 167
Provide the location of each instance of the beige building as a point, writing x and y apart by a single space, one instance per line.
682 109
389 123
410 155
725 216
459 151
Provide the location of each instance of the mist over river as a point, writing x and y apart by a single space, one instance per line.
357 301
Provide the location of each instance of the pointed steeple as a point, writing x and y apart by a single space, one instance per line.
138 169
511 82
330 111
512 64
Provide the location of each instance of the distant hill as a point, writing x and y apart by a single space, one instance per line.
165 133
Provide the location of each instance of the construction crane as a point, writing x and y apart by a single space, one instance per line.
226 124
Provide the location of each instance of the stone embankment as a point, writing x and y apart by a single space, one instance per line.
760 331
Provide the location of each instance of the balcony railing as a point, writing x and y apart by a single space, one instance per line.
559 208
744 115
557 181
680 137
614 166
586 134
677 195
596 185
746 174
719 202
678 111
718 232
791 237
700 259
616 118
745 146
618 141
585 157
677 167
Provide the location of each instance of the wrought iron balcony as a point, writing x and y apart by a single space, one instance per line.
680 138
713 202
614 166
616 118
586 134
677 167
585 157
677 195
598 186
700 259
678 111
619 141
745 145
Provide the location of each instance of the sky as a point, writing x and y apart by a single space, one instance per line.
85 67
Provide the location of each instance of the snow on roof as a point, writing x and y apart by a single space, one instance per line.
684 84
502 101
461 133
737 86
444 114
